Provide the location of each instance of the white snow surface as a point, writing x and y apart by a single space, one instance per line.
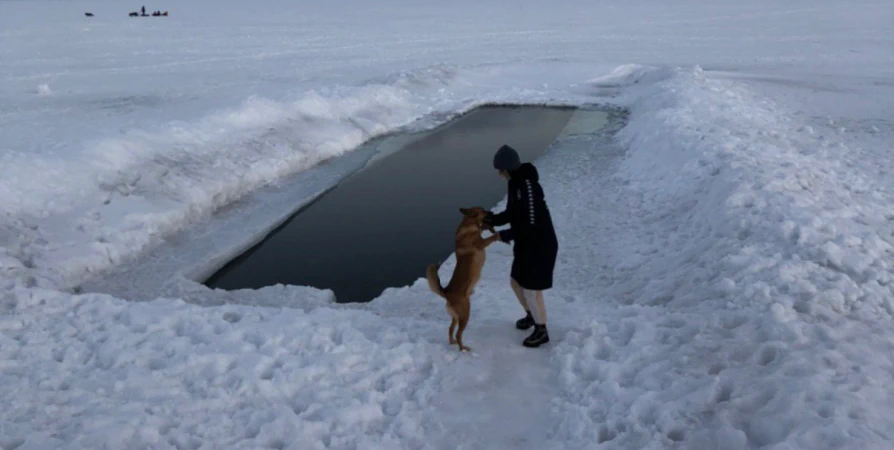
725 270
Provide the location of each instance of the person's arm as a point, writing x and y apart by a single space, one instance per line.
503 218
523 213
500 219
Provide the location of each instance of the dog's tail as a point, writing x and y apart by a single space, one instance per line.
434 281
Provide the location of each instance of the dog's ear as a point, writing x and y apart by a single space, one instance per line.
467 212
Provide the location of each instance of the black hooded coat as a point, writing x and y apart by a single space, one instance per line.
531 228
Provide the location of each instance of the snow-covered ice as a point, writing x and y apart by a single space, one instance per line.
724 278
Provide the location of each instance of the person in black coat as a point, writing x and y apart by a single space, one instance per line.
536 246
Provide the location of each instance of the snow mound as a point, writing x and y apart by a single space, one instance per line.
629 74
44 90
319 379
749 272
766 212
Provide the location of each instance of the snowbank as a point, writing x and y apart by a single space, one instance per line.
762 205
103 373
759 263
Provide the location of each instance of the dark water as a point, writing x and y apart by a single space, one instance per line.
382 226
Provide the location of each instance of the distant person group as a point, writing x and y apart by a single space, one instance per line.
142 13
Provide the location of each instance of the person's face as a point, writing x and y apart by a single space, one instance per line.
504 174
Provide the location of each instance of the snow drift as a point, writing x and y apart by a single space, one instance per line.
759 259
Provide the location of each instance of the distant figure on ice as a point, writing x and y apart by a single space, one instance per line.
536 246
143 11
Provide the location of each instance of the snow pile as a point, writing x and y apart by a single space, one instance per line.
44 90
750 196
748 266
153 374
143 184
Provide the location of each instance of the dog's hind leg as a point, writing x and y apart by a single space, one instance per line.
463 321
453 317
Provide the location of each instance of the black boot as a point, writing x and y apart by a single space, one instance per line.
539 337
525 322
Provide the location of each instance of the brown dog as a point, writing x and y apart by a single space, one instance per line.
469 262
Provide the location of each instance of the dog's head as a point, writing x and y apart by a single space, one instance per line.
476 215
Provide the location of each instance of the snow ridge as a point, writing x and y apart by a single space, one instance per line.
763 204
746 270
